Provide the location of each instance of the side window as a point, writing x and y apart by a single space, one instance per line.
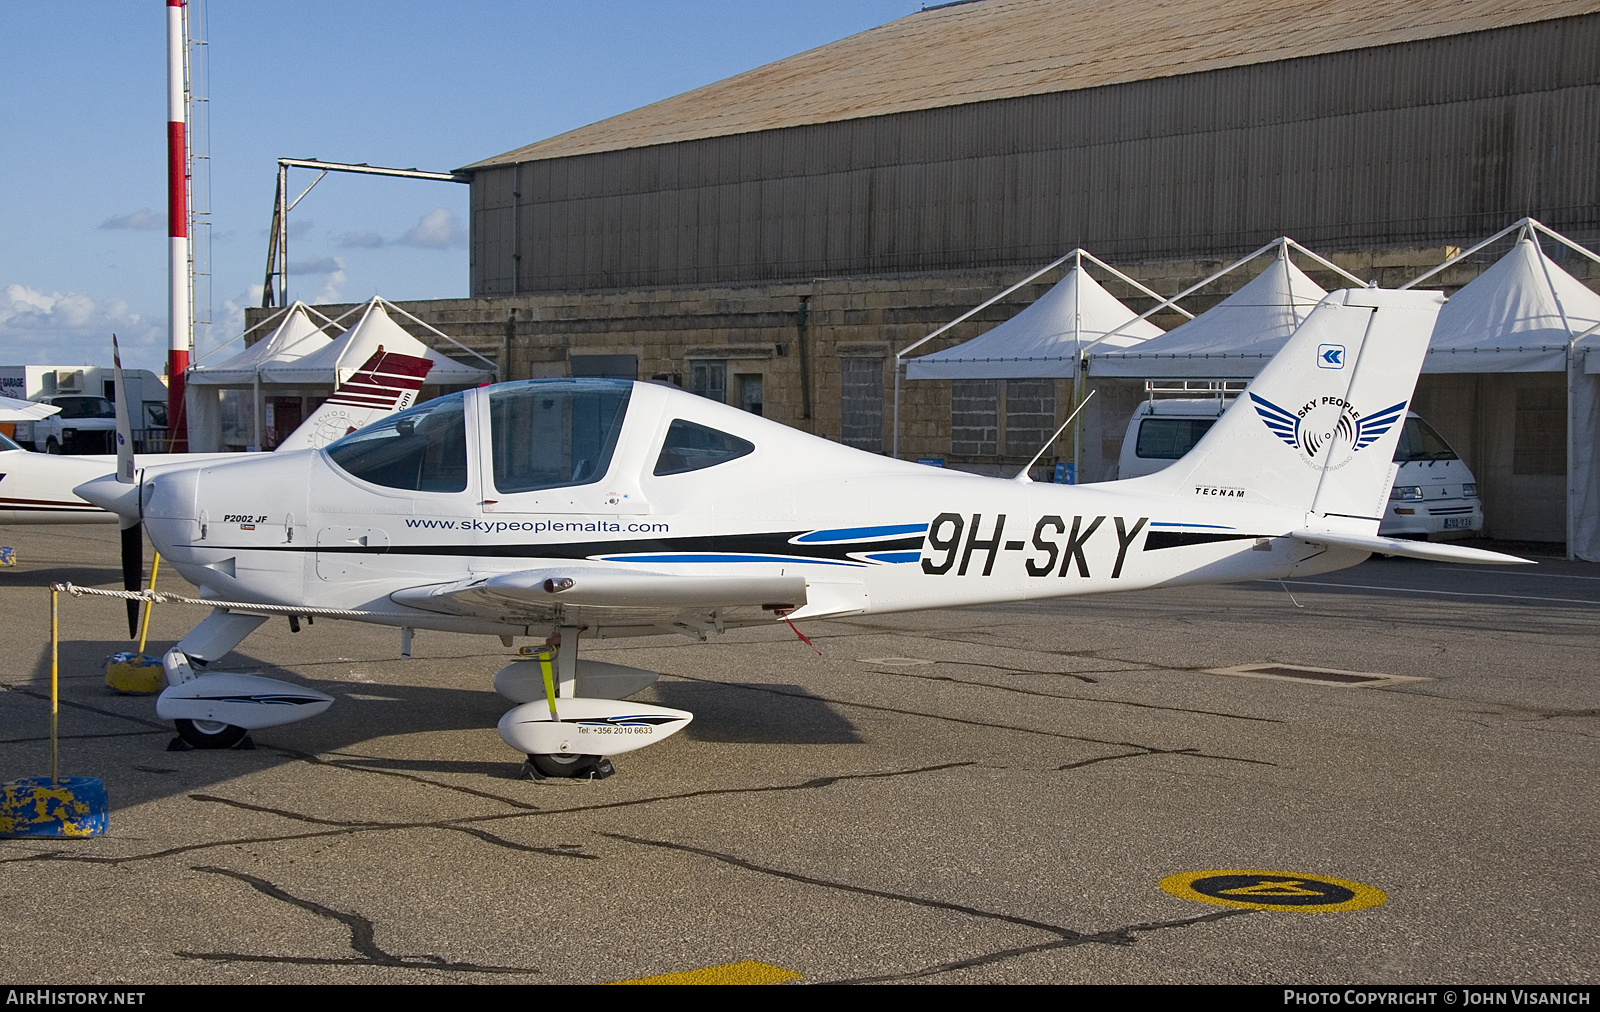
420 450
1170 438
555 433
690 447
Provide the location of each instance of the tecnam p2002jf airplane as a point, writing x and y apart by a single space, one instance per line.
602 508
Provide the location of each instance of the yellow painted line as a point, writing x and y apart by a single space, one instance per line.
1284 891
747 972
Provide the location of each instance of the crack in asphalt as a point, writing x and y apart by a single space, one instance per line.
883 894
1067 937
356 767
1057 695
363 937
954 720
459 822
1129 755
1114 936
92 709
83 737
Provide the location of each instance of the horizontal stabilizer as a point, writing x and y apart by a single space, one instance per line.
1432 550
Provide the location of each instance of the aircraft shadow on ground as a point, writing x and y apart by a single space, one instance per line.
83 576
119 738
760 715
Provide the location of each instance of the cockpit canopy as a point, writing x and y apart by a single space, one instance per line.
543 434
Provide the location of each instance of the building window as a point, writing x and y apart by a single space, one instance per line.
861 403
974 418
710 380
621 367
750 393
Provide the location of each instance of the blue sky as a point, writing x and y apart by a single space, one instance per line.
402 83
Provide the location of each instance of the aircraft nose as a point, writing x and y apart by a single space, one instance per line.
110 494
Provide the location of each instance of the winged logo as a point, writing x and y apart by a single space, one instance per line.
1357 432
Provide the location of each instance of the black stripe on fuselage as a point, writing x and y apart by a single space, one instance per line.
736 544
1155 541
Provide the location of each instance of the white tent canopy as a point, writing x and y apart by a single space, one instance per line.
294 338
1234 338
335 361
1520 315
1044 340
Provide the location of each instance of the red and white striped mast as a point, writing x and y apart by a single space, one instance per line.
177 233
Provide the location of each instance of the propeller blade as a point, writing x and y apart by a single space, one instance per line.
133 569
132 529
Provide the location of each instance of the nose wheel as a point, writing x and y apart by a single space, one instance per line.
593 767
209 734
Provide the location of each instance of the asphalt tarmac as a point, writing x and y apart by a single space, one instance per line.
982 795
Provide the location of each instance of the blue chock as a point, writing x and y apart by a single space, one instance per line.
71 806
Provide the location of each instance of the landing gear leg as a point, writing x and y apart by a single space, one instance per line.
561 682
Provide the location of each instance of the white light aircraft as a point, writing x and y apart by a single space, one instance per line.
600 508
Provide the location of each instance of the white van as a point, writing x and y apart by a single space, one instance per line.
1434 496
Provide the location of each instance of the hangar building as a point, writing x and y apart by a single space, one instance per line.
772 239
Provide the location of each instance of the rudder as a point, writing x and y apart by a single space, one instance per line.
1316 430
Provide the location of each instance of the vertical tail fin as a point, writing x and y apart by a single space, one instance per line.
387 383
1316 430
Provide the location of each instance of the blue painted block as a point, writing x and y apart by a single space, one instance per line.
72 806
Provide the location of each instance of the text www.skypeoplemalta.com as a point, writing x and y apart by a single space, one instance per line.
541 526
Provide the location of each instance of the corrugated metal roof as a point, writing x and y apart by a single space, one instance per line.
994 49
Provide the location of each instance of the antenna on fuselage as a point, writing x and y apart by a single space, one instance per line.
1023 476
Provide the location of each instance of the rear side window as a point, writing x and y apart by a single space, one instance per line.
1170 438
690 447
1418 441
420 450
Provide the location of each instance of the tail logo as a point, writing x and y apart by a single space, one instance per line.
1330 356
1323 421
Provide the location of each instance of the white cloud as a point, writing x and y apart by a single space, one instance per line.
144 218
438 229
321 265
361 240
40 328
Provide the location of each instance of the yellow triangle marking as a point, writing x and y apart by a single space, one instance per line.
747 972
1279 888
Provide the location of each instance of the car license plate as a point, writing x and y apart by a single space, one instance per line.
1452 522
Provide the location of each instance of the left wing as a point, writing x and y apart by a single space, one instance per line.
609 595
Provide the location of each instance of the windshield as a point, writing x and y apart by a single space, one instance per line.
555 433
85 407
1418 441
420 450
7 444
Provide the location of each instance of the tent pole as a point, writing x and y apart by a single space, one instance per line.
983 305
894 442
1544 267
256 419
1464 253
1164 303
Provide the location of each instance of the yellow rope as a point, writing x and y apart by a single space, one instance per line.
545 654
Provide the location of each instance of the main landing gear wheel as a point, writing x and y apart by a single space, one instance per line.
209 733
556 765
